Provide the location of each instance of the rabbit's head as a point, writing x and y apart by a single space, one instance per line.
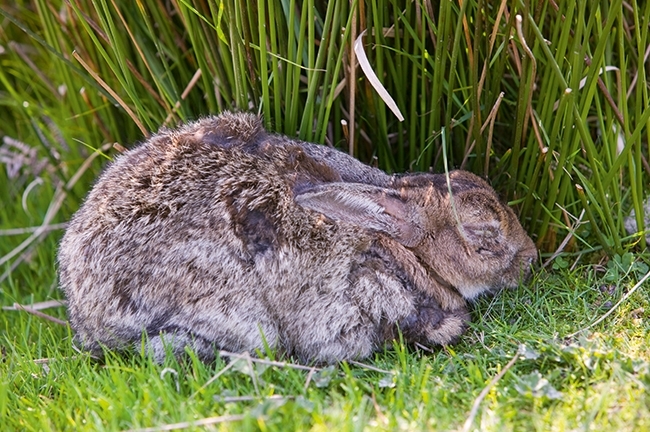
468 239
472 240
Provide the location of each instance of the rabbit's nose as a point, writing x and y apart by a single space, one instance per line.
527 259
531 255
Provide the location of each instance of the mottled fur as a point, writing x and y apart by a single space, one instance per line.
219 235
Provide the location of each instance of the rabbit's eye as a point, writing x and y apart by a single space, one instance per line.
483 251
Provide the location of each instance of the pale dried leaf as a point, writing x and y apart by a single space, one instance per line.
373 79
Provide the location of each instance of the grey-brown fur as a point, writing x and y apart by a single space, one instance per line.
221 235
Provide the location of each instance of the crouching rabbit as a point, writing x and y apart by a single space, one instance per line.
219 235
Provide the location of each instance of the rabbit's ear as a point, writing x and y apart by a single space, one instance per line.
366 206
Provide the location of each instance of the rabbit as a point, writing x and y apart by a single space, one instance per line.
219 235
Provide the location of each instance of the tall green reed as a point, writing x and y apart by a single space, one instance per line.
536 96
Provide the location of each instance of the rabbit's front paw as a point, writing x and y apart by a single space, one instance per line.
431 325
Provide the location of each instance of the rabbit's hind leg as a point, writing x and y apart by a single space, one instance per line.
356 341
174 340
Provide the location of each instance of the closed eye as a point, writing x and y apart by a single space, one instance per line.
488 252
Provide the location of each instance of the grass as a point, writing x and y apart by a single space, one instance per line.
596 380
539 105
